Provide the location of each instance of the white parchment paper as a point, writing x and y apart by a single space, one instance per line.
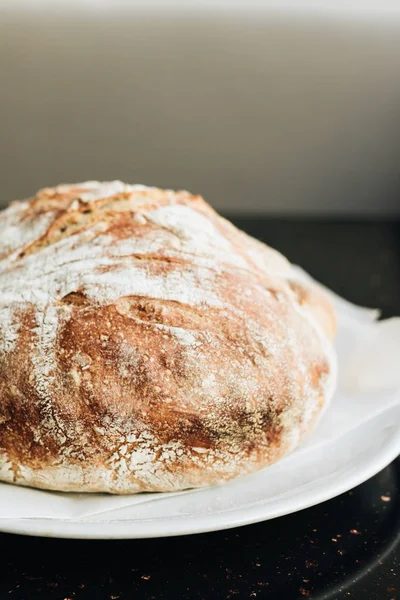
368 385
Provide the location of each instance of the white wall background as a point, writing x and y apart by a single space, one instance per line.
261 109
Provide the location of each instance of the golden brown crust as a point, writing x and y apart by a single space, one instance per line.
315 301
148 345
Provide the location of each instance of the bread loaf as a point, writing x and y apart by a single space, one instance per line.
146 344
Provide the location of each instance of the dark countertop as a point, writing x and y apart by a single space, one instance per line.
347 548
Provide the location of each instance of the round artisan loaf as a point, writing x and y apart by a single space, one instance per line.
146 344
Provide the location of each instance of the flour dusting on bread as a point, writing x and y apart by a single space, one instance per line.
146 344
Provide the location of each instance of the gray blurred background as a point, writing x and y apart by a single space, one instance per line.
262 110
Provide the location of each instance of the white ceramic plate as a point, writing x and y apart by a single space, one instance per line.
284 488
